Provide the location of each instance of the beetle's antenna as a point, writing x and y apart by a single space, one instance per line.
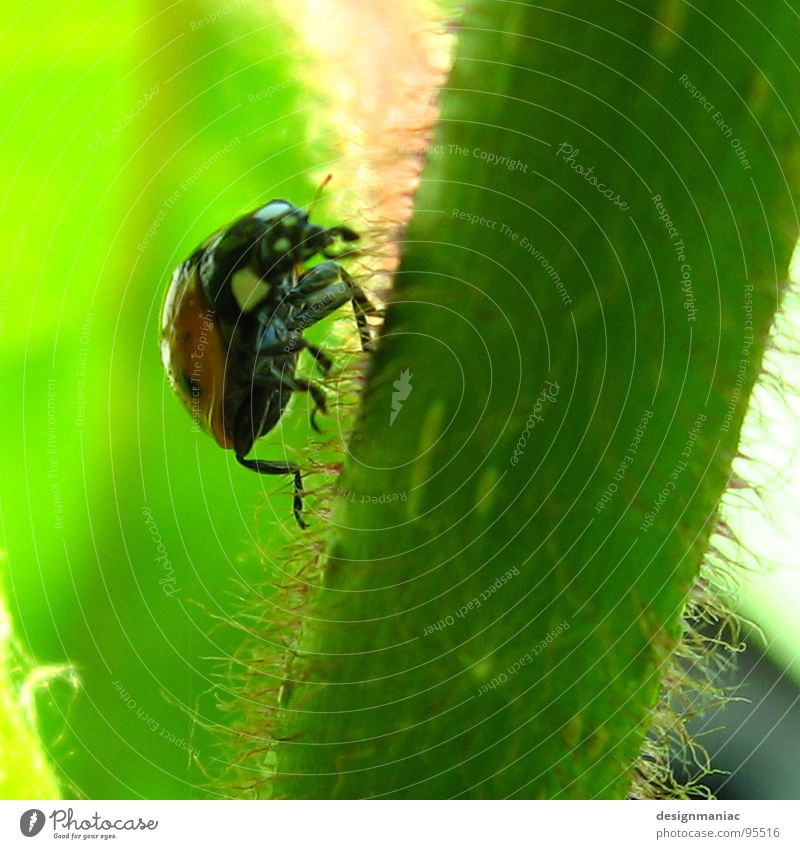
318 193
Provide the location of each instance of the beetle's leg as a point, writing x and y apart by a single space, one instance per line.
361 309
269 467
274 345
320 357
346 235
321 291
266 400
297 384
323 279
290 383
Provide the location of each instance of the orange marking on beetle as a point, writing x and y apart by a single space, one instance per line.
192 345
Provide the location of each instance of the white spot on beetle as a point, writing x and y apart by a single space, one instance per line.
276 209
248 289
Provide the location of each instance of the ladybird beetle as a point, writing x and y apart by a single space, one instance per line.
232 323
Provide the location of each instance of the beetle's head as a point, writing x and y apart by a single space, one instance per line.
282 228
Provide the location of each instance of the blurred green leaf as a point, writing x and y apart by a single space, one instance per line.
24 771
132 133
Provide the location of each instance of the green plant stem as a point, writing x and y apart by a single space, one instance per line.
578 354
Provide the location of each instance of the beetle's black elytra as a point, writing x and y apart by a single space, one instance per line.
233 320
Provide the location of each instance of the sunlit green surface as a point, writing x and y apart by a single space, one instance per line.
766 519
24 770
130 133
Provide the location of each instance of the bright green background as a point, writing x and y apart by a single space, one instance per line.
225 129
225 117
